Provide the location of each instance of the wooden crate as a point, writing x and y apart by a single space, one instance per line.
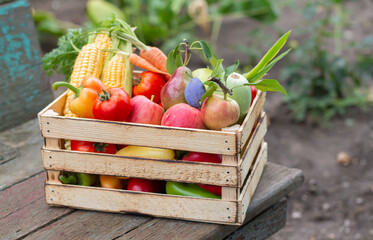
244 155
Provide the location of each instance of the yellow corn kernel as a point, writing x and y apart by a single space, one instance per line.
88 63
113 75
104 42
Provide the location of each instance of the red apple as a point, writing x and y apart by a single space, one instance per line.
218 113
183 115
145 111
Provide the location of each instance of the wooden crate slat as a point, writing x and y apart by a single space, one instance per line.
53 143
248 124
252 182
160 205
252 148
110 164
139 134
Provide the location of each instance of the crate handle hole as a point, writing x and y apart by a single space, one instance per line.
227 208
226 141
228 172
229 149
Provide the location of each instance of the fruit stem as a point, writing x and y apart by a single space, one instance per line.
222 86
152 98
187 52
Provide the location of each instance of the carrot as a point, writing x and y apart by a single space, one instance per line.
142 63
156 57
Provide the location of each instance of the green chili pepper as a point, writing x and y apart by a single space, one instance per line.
82 179
188 189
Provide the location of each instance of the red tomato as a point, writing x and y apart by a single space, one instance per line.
253 93
113 105
145 185
86 146
150 84
205 157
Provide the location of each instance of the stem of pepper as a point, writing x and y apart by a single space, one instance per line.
76 90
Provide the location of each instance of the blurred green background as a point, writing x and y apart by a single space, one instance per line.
328 71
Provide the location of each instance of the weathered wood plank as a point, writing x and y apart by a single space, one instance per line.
23 208
26 141
163 169
264 225
90 225
252 149
30 218
270 221
138 134
24 90
160 205
253 180
254 113
21 195
277 181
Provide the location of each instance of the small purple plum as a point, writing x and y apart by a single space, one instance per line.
194 91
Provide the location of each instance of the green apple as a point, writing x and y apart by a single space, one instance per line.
202 73
241 93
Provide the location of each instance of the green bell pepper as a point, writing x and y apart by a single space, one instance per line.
82 179
188 189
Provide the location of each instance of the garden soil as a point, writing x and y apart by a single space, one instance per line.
336 199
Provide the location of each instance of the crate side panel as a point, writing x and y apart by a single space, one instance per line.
252 182
169 170
159 205
139 134
249 122
252 148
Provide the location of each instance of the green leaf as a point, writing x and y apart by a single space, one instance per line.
268 67
268 85
206 50
217 68
210 90
174 60
232 68
269 56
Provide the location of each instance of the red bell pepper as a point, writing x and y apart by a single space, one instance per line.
150 84
113 104
85 95
205 157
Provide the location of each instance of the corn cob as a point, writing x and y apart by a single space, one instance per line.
104 42
115 69
88 63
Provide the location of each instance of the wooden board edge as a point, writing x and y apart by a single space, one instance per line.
53 104
124 201
115 165
252 183
136 134
247 126
252 148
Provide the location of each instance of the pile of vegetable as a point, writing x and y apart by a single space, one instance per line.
168 93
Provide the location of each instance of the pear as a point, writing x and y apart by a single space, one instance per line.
173 92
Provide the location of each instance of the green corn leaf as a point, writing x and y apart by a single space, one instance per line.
260 74
268 85
269 56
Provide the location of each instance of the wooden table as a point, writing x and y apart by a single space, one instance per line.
24 214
